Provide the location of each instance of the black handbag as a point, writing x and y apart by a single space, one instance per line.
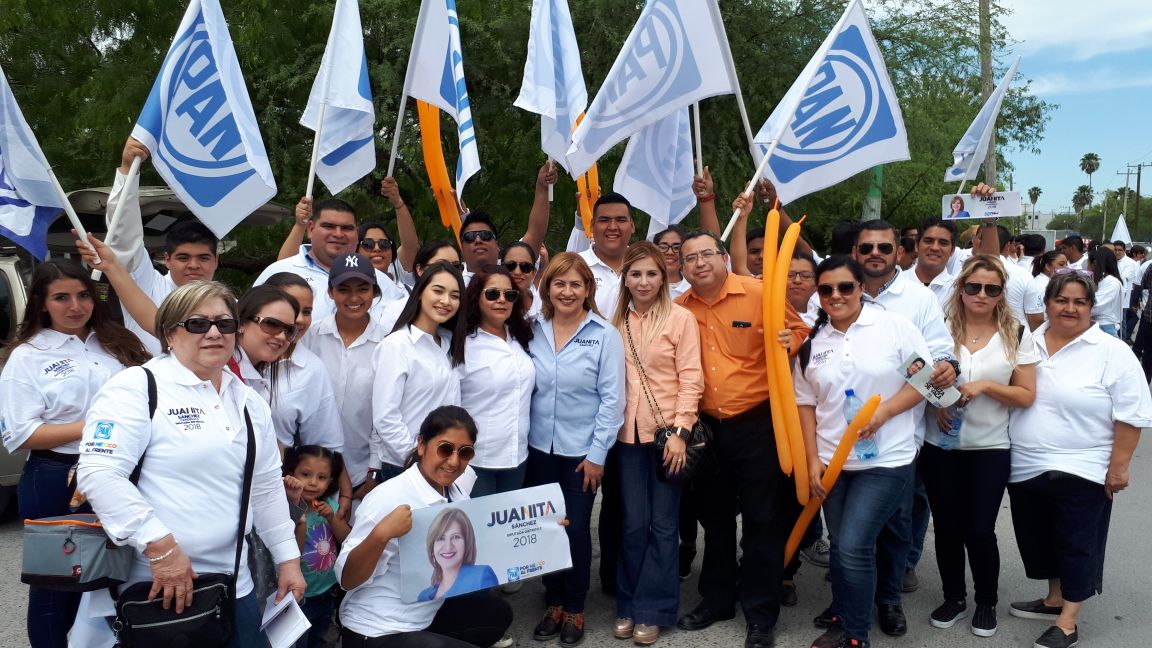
699 455
209 621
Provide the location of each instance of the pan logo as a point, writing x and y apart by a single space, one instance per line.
844 110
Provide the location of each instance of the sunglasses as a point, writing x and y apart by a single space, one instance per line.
493 294
884 248
483 235
524 266
845 288
200 325
274 327
376 244
445 449
992 290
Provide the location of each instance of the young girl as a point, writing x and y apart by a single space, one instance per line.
319 533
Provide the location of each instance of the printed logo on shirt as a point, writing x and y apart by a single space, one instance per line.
5 433
99 447
186 418
60 368
104 430
820 358
585 343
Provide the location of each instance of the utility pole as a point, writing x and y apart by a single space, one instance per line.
1136 218
1127 176
986 85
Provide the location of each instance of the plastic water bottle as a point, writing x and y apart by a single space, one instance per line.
865 448
951 438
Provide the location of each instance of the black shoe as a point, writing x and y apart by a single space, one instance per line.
572 632
892 621
948 614
984 621
911 581
831 638
853 643
549 626
759 636
701 618
1035 610
1054 637
687 555
788 594
827 620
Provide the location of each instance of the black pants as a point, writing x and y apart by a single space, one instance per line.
965 488
749 483
610 532
1143 346
477 619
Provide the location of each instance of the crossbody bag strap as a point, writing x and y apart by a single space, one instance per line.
150 378
656 413
246 490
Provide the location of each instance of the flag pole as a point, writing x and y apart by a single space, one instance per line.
316 146
699 143
396 135
118 213
751 186
967 172
72 217
551 162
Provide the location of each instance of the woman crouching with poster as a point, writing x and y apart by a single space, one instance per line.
372 613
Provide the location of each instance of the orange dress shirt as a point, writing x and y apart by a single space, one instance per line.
732 344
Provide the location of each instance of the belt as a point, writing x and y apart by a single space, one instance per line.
59 457
757 411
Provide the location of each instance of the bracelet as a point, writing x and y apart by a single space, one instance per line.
709 197
164 555
303 222
402 206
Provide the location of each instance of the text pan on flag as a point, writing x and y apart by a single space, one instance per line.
340 105
656 171
676 55
553 84
199 124
29 198
840 117
436 76
974 143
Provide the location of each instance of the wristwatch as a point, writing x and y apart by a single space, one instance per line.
679 431
955 365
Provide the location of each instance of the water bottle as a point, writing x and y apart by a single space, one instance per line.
865 448
951 438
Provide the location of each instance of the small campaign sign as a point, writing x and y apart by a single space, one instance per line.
917 371
999 204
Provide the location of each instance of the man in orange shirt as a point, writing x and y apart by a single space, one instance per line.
749 482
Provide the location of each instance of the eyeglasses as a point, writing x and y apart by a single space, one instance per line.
274 327
483 235
972 289
884 248
704 256
845 288
200 325
493 294
377 244
1076 271
666 247
445 449
806 276
524 266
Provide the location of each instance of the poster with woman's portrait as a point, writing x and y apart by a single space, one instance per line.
460 547
1001 203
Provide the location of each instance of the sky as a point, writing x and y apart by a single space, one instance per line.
1094 59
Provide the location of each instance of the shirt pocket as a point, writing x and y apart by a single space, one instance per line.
745 342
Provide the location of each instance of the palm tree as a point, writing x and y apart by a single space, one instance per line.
1082 198
1034 195
1089 164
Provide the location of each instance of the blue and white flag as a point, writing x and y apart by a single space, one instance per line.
199 125
656 172
840 117
553 84
29 197
436 76
346 149
975 141
676 55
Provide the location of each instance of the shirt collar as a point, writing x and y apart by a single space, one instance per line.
1092 336
424 491
731 286
175 371
49 338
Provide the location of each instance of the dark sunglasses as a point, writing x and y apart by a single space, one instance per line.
274 327
377 244
992 290
866 248
510 295
845 288
199 325
445 449
483 235
524 266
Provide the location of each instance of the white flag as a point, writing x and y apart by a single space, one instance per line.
29 198
347 152
436 76
199 124
840 116
553 84
676 55
979 133
656 172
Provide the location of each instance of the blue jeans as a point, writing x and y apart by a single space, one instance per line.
248 616
490 481
1110 329
921 513
648 577
44 492
318 609
858 510
567 588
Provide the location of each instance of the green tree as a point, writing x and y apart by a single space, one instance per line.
1082 198
1034 195
1089 164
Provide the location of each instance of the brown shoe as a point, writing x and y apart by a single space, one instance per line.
622 629
572 632
645 635
549 626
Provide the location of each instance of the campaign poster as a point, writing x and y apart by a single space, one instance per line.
460 547
960 206
917 371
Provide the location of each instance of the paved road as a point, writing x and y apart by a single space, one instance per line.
1119 618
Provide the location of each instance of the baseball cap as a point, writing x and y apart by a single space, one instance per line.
351 266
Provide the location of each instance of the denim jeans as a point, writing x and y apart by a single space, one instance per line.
921 514
248 615
318 609
490 481
858 511
44 492
567 588
648 579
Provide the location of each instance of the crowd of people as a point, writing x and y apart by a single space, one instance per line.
363 377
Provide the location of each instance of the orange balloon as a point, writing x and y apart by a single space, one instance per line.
771 358
787 390
436 167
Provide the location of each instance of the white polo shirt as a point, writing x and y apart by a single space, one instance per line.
374 608
496 382
865 358
1034 294
679 288
193 465
305 404
941 285
305 267
51 380
1014 290
1109 309
413 377
607 283
906 296
1080 391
